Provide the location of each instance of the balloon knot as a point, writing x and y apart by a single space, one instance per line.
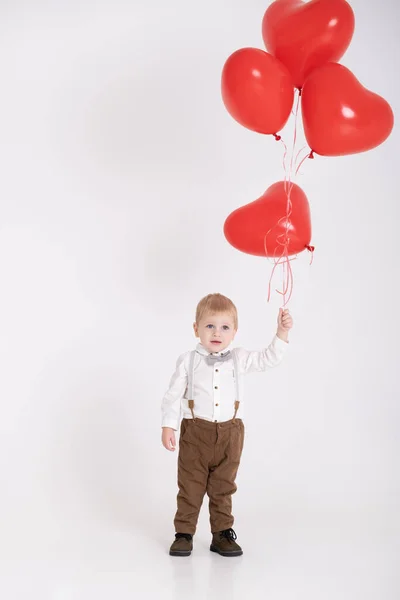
277 137
311 155
310 248
299 91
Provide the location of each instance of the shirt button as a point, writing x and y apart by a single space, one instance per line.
216 370
215 387
216 404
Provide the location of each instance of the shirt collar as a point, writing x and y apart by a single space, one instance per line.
201 350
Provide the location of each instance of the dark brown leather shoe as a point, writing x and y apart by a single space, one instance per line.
182 546
224 543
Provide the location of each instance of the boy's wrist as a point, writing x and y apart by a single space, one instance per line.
282 334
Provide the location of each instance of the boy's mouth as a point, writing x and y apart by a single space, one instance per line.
216 342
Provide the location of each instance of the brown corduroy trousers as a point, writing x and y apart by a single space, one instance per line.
208 461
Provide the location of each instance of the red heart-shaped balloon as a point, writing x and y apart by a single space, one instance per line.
260 227
304 36
340 116
257 90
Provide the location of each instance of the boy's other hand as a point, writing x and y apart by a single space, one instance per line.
168 438
285 323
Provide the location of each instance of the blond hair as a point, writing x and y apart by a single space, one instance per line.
216 304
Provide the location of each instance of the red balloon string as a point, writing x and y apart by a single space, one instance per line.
283 258
281 253
287 274
298 154
304 158
296 114
284 162
288 285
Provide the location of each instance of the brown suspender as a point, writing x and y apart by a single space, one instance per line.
237 404
191 406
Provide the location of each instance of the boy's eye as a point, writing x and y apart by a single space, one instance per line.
226 327
210 326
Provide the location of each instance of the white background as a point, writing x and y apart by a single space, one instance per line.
119 165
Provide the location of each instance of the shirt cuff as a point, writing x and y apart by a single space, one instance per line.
170 423
279 342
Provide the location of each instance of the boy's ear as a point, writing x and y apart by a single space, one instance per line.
195 329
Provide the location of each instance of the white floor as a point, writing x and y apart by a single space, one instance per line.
340 560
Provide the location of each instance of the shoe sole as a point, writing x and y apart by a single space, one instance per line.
227 554
180 553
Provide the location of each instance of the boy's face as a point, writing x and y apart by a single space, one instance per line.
216 332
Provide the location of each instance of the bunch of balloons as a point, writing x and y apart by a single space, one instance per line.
305 41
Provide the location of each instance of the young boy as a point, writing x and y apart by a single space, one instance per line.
207 391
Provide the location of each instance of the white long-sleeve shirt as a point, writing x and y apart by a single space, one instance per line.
214 384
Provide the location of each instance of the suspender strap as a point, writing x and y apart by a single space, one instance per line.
236 373
191 406
237 403
191 374
190 382
237 388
